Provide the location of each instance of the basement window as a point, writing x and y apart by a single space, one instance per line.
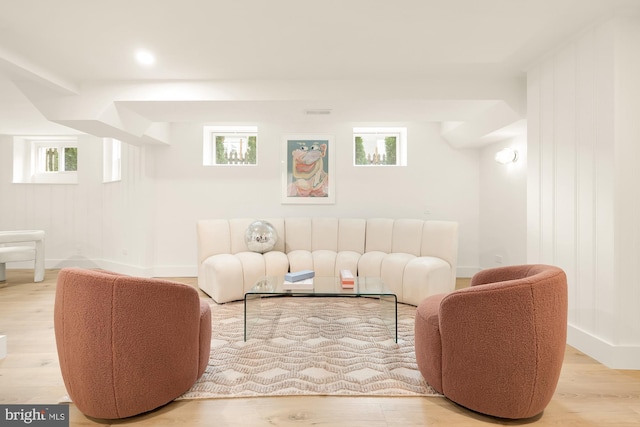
45 160
229 145
380 146
56 158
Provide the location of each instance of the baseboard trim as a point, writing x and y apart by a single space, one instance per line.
175 271
131 270
118 267
466 272
612 356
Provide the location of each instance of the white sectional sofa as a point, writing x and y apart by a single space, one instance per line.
415 258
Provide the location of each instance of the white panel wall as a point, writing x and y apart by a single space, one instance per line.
69 214
627 178
503 206
128 215
582 126
89 224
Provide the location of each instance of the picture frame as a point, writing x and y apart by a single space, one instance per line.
308 169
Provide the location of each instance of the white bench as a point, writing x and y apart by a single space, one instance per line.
16 253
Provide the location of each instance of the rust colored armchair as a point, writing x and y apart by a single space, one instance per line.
128 345
496 347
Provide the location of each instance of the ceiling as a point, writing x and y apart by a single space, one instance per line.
67 65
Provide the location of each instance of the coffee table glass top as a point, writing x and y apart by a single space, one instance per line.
274 286
330 286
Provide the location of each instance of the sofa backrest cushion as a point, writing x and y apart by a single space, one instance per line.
334 234
238 228
351 235
437 241
407 236
411 236
297 234
379 236
324 234
213 238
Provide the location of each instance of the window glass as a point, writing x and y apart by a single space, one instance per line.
52 157
228 145
379 146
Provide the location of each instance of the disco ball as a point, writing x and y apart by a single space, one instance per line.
260 236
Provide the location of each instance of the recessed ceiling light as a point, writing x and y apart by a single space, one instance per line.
145 57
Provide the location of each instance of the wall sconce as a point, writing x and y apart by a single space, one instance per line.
506 155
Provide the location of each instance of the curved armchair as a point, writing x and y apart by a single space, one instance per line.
496 347
128 345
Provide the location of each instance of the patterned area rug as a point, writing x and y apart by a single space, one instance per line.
311 346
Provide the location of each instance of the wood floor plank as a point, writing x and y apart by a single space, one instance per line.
588 393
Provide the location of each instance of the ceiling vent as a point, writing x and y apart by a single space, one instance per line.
318 112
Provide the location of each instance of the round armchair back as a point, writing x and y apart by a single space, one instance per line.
128 345
496 347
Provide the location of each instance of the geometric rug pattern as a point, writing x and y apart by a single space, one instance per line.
311 346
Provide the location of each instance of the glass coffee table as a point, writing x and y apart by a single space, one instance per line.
367 287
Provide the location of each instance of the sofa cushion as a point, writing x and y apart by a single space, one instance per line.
324 262
214 238
324 234
370 263
392 271
351 235
424 276
223 278
407 236
253 268
379 235
298 234
347 260
276 263
237 229
300 260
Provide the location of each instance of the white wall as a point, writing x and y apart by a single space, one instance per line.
145 224
89 224
438 179
70 214
503 206
128 215
583 198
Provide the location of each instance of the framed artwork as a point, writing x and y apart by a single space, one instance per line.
308 169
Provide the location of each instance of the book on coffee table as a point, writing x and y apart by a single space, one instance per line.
300 284
296 276
347 279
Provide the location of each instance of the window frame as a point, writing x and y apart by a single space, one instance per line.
210 143
381 133
29 158
41 156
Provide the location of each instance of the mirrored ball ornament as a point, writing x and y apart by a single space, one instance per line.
260 236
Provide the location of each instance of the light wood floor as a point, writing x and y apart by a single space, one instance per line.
588 393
